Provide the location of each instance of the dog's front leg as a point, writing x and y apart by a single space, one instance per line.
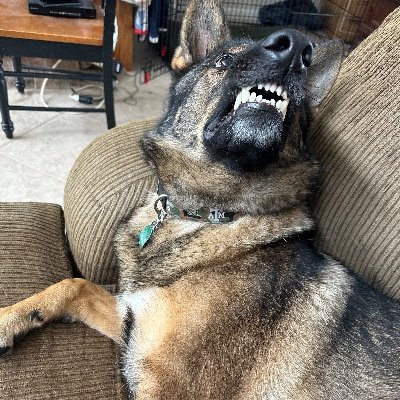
77 299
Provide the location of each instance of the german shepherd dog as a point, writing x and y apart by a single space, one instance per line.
221 294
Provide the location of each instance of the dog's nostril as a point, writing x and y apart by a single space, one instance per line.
306 56
277 43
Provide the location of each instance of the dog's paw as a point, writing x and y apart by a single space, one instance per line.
15 323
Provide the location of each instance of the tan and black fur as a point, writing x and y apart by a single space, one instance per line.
248 309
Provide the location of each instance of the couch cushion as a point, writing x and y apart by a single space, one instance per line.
107 182
357 139
60 361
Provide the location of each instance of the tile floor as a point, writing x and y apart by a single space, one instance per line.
34 164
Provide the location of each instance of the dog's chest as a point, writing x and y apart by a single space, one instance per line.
161 325
146 324
149 308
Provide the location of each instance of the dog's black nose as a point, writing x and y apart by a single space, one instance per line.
291 49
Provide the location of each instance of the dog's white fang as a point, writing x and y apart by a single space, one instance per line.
283 107
245 94
238 101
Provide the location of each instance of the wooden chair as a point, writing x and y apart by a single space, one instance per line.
23 34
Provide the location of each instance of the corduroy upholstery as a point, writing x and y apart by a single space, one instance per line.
61 361
33 252
357 139
109 179
356 136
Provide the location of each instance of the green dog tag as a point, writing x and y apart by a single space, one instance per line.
147 232
145 235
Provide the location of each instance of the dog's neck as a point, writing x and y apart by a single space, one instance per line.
192 180
272 203
187 244
258 229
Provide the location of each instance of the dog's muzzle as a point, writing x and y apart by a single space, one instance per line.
249 130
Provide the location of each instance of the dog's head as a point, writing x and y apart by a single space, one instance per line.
233 133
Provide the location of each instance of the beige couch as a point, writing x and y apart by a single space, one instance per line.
357 138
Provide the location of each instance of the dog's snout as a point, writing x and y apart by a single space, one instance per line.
289 48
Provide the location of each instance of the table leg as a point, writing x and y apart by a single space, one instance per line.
108 91
6 123
19 81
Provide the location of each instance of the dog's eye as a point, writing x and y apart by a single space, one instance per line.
224 61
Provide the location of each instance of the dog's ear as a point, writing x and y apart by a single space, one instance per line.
203 29
327 59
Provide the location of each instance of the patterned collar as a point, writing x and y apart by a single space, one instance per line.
164 208
205 214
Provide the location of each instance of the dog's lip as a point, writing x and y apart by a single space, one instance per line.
216 123
269 93
259 106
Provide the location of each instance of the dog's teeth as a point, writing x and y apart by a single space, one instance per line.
284 107
245 95
238 101
281 106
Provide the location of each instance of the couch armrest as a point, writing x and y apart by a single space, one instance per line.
108 180
59 361
33 251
